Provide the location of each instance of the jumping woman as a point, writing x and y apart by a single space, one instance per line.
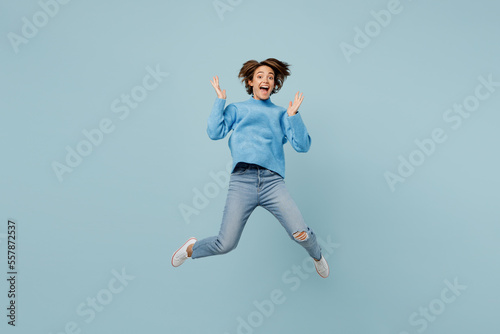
260 129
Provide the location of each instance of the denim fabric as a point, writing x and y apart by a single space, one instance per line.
250 186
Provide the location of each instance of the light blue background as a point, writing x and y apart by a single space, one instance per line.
120 207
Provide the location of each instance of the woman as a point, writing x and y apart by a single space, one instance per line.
260 129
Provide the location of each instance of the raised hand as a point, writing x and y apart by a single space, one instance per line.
215 83
293 108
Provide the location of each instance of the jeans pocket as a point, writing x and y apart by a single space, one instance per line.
273 173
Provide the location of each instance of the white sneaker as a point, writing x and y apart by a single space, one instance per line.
181 254
322 267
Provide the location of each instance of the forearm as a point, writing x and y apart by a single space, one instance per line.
298 136
217 127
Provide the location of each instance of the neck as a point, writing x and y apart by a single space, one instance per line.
256 99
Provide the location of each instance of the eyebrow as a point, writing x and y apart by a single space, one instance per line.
263 72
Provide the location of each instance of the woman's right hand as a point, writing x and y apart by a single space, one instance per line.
215 83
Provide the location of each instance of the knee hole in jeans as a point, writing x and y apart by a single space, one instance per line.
300 236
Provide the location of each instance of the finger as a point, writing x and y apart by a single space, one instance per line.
214 85
299 100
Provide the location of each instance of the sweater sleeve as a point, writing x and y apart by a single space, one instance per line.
221 120
296 132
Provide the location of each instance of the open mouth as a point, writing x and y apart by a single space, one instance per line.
264 89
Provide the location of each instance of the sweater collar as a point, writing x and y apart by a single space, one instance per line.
261 102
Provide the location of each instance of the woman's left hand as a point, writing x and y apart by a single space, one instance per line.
294 108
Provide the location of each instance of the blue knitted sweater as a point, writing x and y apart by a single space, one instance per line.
260 129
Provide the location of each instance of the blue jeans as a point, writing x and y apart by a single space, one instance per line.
250 186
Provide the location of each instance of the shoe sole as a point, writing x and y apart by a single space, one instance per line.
322 275
328 270
172 260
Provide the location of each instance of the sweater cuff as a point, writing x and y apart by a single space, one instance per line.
219 103
295 119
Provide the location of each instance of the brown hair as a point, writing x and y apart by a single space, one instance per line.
280 68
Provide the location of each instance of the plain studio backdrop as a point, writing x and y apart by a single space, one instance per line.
106 166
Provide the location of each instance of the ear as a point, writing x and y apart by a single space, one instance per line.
250 83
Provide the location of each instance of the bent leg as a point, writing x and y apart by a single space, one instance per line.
277 200
240 203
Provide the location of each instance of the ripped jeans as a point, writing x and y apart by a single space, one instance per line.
250 186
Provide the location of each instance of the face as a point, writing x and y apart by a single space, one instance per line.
262 82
